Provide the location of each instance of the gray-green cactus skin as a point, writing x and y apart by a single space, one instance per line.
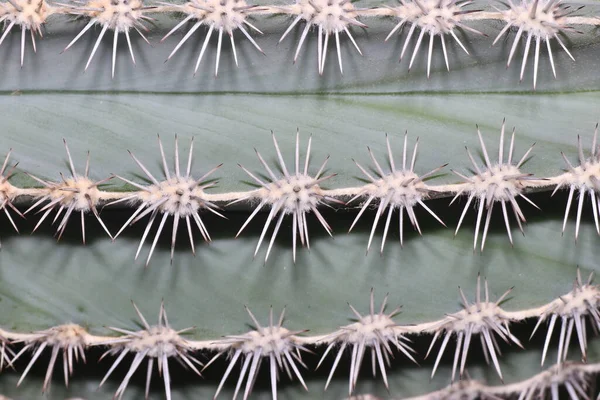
283 210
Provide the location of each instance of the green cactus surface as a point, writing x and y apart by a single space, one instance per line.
108 266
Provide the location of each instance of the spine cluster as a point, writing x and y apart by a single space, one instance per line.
297 193
374 332
533 21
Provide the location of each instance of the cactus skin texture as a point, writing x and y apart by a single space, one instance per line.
439 312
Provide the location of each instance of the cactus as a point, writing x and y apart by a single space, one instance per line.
247 219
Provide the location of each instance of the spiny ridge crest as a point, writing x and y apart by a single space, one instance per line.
299 193
375 331
534 21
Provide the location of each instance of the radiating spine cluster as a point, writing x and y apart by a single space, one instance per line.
296 193
433 17
330 17
584 178
483 318
120 16
71 339
28 15
220 16
572 309
375 332
400 189
179 195
77 193
535 21
156 343
280 346
495 183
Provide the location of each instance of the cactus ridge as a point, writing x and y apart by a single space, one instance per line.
576 378
535 21
297 193
375 331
